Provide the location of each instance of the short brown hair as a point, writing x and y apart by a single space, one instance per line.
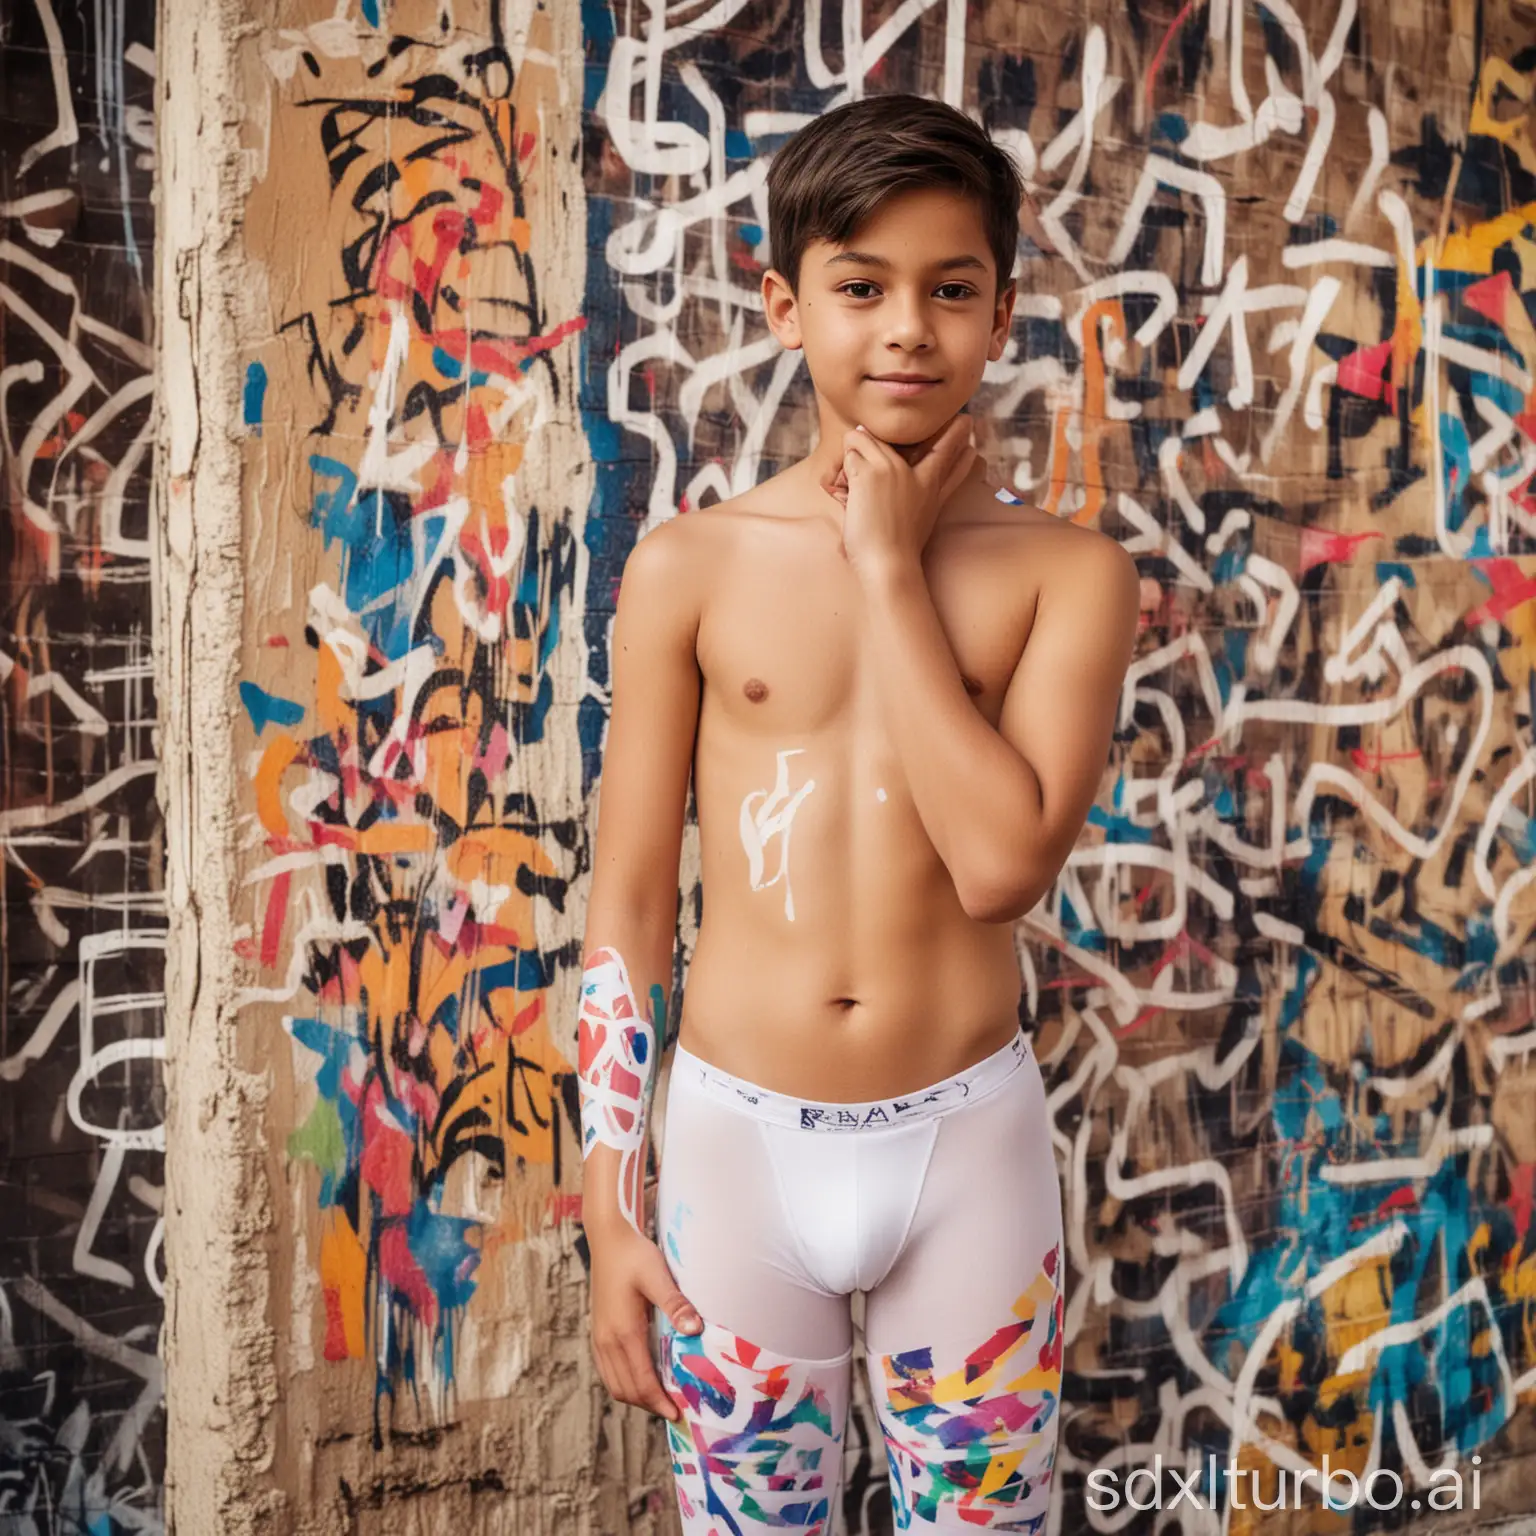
834 172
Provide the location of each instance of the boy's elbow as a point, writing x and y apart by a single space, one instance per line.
1006 881
1001 900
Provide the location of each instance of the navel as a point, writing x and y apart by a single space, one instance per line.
755 689
972 687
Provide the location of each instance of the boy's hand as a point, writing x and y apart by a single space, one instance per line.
629 1274
890 504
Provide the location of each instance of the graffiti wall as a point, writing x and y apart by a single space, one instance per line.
498 271
1275 334
81 914
413 831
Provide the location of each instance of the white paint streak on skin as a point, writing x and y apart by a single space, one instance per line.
774 818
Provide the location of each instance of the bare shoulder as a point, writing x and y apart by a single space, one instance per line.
1069 560
676 560
703 535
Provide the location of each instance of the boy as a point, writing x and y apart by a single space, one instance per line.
895 687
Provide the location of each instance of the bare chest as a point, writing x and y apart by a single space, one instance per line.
784 637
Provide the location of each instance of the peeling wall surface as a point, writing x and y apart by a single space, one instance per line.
477 306
82 928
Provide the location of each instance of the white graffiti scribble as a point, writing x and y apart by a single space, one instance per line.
774 818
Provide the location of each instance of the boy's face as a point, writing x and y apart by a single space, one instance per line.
912 292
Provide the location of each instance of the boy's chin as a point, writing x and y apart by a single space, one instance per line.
904 430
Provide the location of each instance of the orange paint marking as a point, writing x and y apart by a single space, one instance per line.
275 762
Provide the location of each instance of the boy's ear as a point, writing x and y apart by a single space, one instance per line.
780 309
1003 319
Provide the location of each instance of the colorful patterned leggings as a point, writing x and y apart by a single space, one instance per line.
943 1207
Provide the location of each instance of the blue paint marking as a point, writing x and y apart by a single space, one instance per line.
267 708
1120 829
380 557
255 395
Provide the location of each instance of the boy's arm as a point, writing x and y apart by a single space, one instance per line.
1003 807
632 913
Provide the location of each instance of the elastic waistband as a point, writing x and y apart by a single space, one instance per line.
872 1114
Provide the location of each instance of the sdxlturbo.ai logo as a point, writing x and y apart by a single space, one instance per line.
1338 1487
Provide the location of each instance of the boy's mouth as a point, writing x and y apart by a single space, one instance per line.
903 383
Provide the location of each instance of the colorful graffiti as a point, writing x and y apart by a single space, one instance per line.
407 864
1274 333
82 1437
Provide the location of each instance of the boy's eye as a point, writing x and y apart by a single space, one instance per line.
964 289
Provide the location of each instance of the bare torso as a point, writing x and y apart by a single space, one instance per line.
848 968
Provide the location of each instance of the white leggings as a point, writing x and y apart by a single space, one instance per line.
943 1207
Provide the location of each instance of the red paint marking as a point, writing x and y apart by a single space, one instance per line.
504 357
525 1018
398 1268
1136 1023
1491 297
1076 979
277 910
1157 58
1511 587
386 1164
1181 948
564 1207
46 449
1520 1196
1370 762
335 1329
1360 372
485 211
1322 546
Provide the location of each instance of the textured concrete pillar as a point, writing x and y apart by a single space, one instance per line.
373 487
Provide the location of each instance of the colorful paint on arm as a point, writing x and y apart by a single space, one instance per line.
617 1047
